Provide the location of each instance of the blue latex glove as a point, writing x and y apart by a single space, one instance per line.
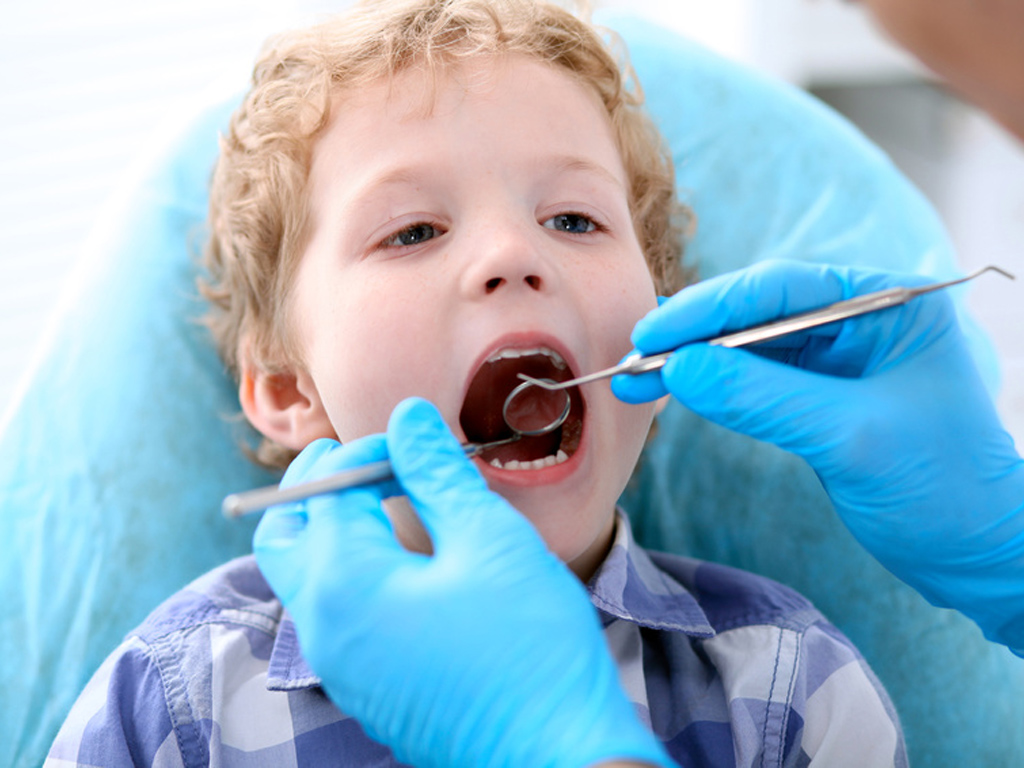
486 653
888 409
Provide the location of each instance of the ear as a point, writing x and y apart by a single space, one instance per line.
286 407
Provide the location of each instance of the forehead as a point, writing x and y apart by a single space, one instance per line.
499 103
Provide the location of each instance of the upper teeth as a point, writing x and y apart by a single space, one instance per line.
511 353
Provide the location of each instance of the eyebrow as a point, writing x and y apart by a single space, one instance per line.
572 163
390 177
559 163
367 188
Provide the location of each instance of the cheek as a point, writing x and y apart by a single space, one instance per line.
621 440
635 421
368 357
620 298
343 368
631 295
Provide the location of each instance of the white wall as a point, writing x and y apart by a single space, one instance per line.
84 87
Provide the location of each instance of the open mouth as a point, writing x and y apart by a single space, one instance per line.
481 418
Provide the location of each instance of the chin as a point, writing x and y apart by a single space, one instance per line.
577 528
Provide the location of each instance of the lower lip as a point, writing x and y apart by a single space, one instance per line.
527 478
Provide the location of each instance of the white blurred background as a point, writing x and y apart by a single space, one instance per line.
84 86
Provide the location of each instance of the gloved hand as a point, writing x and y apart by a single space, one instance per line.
486 653
889 411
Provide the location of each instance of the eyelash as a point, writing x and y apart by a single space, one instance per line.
392 240
597 226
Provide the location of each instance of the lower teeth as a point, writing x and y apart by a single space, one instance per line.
547 461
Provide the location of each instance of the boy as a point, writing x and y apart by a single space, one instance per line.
425 199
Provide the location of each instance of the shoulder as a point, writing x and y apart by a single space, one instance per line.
762 625
217 634
732 598
774 651
235 595
155 694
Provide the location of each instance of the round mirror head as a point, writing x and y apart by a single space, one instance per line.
532 410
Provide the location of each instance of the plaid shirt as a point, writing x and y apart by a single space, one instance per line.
728 669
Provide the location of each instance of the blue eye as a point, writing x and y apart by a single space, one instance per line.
414 235
574 223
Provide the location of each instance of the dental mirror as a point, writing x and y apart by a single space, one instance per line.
536 413
530 410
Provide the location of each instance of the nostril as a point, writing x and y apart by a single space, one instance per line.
533 281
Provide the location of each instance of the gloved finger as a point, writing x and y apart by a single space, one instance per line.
337 458
366 450
347 544
755 396
301 466
340 535
448 492
758 294
639 388
282 523
318 459
281 541
353 542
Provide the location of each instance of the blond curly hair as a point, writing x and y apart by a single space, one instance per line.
259 206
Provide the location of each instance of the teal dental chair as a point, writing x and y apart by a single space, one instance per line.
114 462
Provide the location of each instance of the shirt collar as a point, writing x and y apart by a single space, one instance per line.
288 670
627 586
630 587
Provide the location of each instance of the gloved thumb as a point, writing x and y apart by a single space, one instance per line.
446 489
289 538
283 523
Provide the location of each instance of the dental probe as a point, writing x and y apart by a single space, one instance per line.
246 502
238 504
832 313
258 499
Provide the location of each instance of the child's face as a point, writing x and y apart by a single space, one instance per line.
495 221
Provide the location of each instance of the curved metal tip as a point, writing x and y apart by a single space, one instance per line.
548 384
994 268
232 506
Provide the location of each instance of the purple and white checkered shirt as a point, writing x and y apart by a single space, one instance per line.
728 669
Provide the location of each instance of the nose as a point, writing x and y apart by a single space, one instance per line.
506 261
